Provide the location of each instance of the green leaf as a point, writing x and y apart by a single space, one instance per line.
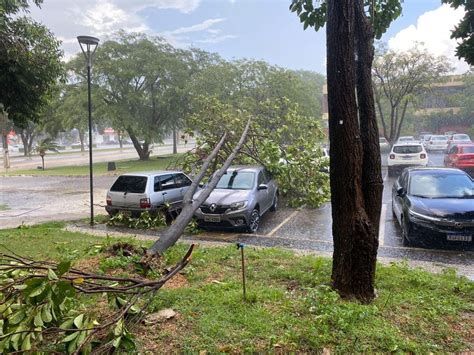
15 339
17 317
46 314
70 337
26 344
78 320
38 321
67 324
63 267
52 275
37 290
118 330
116 342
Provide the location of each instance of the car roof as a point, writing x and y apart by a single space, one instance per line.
404 144
152 173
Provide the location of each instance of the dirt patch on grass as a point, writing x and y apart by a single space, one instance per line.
90 265
177 281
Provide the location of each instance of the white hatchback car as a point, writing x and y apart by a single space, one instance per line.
403 155
437 142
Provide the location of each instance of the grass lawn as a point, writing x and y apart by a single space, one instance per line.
123 166
290 306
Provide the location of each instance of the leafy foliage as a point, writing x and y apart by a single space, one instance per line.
146 220
285 142
30 63
464 31
380 12
398 78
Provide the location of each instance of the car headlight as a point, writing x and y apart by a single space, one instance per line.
238 205
423 217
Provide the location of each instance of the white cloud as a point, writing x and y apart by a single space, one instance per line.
102 18
216 39
433 29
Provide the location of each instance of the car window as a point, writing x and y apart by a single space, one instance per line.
261 178
129 183
461 137
441 186
268 175
166 182
182 180
453 150
468 150
439 138
237 181
407 149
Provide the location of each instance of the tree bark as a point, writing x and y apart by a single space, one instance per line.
81 138
174 232
352 271
175 141
372 182
143 151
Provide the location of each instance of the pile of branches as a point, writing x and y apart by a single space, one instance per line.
41 308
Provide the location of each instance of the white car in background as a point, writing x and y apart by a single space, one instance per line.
406 139
404 155
437 142
459 138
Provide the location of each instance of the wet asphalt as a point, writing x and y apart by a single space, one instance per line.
36 199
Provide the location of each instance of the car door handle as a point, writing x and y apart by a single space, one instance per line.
164 193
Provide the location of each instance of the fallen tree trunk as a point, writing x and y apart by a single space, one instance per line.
174 232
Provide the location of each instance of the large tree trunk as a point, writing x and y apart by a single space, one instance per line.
142 150
81 138
175 141
352 271
372 182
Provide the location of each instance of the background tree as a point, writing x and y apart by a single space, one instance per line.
141 80
464 31
399 77
44 145
356 181
30 63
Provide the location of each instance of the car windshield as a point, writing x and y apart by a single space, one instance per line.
441 186
407 149
236 180
461 137
129 183
406 139
467 150
439 138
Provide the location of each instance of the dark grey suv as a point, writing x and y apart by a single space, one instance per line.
240 198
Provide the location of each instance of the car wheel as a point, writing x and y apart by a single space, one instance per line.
274 206
254 221
407 236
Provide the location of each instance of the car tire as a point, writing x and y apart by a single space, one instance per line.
407 236
274 205
254 221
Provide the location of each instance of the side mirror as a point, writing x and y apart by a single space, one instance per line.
401 191
262 187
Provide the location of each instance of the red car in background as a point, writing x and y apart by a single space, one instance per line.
461 156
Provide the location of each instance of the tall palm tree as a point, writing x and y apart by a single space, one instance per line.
45 145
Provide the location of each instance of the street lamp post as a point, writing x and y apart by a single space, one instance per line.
88 46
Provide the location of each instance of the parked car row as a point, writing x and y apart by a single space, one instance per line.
241 197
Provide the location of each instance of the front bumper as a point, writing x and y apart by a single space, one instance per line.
430 232
230 219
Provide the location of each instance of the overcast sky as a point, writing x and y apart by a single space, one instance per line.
259 29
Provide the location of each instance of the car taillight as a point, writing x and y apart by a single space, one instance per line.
109 201
392 156
145 203
422 156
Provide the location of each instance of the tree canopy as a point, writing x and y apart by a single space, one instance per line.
464 31
30 63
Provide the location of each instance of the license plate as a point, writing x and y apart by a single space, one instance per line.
126 213
459 238
407 157
215 219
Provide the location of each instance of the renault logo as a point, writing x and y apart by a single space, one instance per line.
212 207
458 225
